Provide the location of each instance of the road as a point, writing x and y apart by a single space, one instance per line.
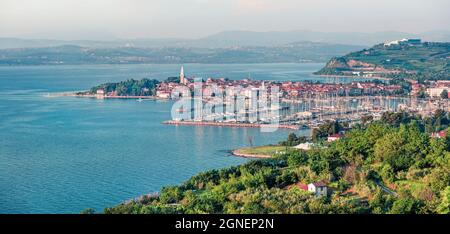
385 189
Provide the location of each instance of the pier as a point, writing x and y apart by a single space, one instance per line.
228 124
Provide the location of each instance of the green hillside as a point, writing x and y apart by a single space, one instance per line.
428 60
390 166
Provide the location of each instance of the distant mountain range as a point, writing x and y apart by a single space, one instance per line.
238 38
224 47
297 52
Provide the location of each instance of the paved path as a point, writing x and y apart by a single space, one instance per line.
385 189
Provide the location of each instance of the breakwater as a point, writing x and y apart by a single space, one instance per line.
228 124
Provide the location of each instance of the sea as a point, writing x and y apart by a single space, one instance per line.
66 154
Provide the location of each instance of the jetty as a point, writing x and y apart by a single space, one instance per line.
230 124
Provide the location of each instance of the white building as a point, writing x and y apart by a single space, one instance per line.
100 93
409 41
162 94
334 137
318 188
436 92
304 146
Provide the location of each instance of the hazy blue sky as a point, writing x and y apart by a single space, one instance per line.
102 19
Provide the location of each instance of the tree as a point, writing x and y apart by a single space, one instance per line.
171 194
387 173
444 207
395 118
380 203
366 119
88 211
250 141
297 158
403 206
439 179
444 94
293 140
422 94
402 148
326 129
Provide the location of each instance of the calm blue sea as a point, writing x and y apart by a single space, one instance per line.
65 154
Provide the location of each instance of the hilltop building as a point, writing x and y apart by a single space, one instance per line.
404 41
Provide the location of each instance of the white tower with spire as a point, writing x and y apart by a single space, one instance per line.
182 78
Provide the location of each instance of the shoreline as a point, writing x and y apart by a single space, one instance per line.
235 125
236 153
353 77
72 94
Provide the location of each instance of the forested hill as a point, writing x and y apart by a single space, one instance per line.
388 166
428 60
131 87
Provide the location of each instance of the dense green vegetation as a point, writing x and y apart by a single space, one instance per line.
386 166
131 87
293 140
429 60
326 129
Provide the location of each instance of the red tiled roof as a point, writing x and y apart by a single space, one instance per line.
300 186
337 135
319 184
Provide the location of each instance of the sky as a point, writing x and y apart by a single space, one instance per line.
113 19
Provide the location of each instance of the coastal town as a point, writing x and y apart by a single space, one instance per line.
225 115
292 105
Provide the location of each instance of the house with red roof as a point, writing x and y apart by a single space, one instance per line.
334 137
440 134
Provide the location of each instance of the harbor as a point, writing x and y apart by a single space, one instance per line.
308 112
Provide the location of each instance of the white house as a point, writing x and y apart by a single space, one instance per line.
334 137
100 93
318 188
163 94
304 146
